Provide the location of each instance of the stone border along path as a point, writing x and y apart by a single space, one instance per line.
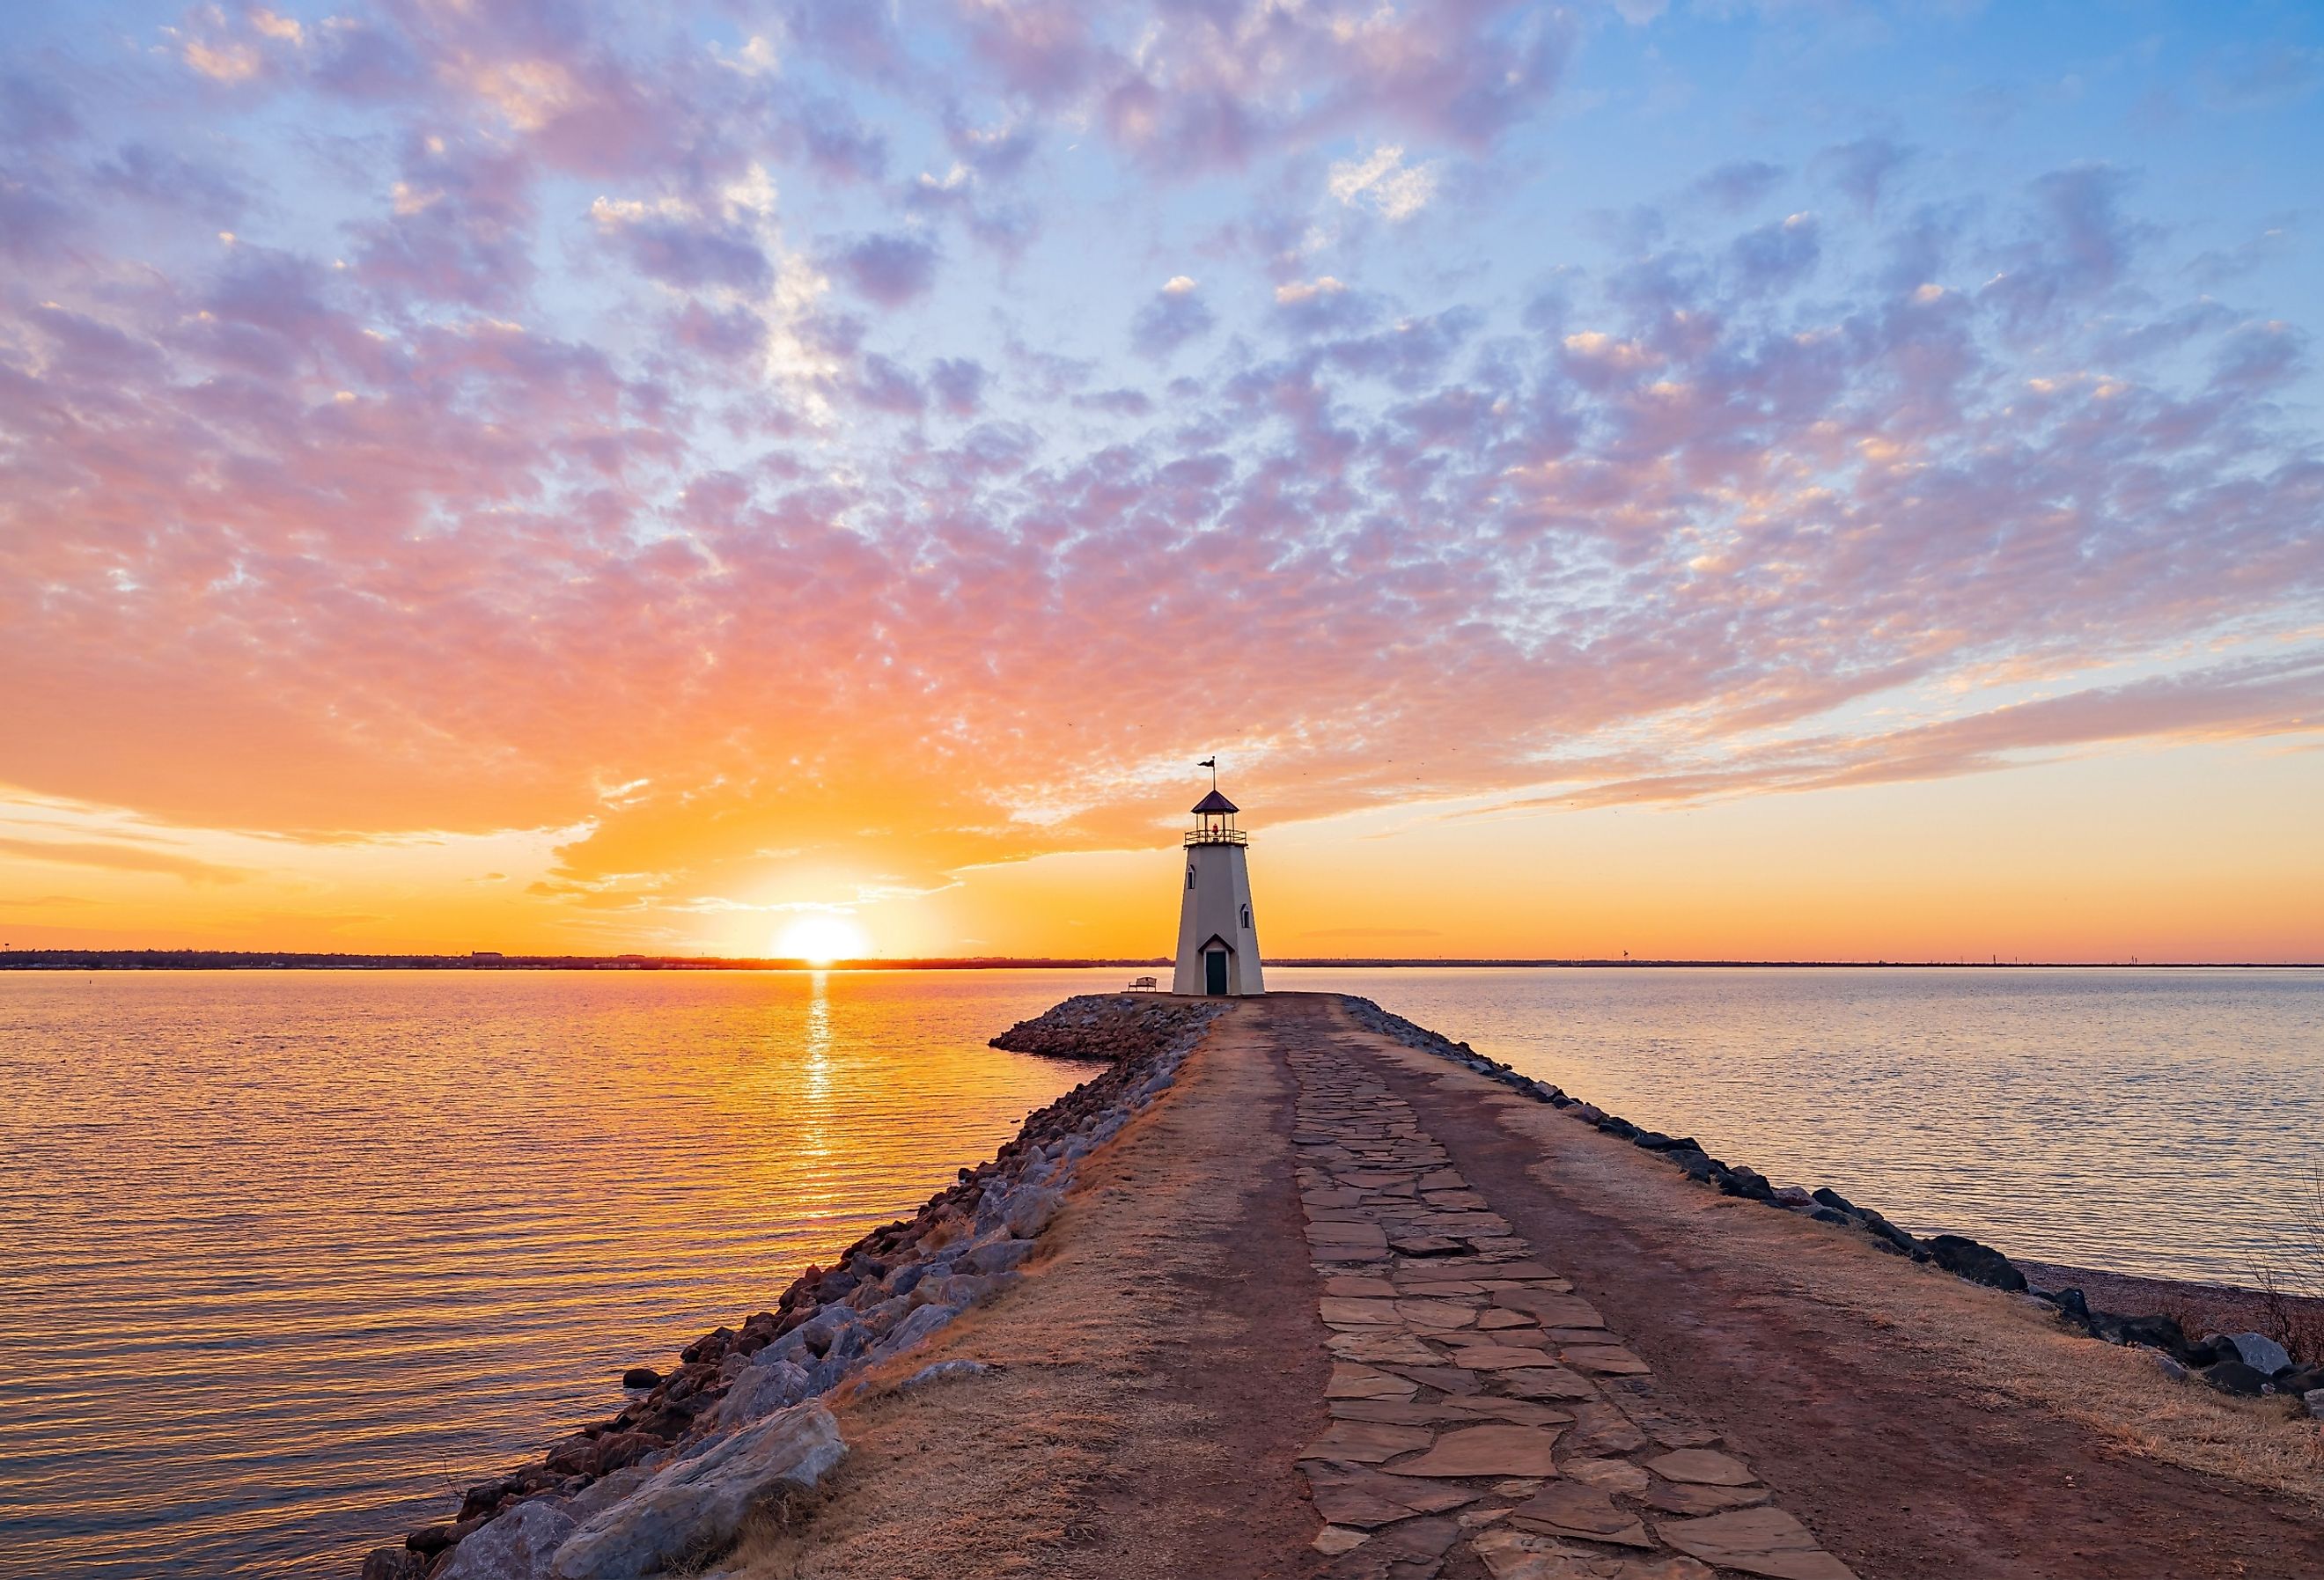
1475 1399
2248 1365
742 1417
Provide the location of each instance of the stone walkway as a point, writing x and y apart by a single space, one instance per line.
1479 1405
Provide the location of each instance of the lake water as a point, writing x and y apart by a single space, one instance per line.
292 1258
2165 1122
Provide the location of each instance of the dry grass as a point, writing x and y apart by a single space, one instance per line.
998 1473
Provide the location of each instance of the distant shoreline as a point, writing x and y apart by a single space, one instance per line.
292 960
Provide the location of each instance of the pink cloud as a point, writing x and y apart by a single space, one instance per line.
889 270
463 532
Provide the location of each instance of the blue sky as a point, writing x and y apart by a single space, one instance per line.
769 456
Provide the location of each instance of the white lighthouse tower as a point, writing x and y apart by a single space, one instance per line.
1217 941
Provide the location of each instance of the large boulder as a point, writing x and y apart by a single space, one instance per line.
996 1257
1748 1183
1981 1264
918 1326
697 1505
518 1545
762 1390
822 1330
2262 1354
2234 1377
2156 1331
1029 1210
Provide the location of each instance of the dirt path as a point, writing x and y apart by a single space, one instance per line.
1239 1288
1924 1429
1152 1378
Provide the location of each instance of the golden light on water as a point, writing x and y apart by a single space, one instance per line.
820 938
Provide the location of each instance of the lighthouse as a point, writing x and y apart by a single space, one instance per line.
1217 941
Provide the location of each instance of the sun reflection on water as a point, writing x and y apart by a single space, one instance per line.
291 1253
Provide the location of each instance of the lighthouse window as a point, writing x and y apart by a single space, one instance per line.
1190 875
1246 916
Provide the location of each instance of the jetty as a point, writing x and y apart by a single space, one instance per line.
1296 1288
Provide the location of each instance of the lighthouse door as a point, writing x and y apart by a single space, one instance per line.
1214 972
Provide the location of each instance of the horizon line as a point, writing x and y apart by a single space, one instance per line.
190 959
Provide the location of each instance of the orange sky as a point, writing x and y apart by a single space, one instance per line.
2199 852
594 478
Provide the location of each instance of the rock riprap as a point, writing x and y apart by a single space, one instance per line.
1476 1397
2229 1363
736 1421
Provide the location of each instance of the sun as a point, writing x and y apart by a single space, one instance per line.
819 939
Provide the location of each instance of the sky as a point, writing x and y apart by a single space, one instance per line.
1774 481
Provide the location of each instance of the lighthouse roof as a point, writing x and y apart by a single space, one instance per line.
1215 802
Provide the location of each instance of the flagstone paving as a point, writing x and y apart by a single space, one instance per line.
1479 1405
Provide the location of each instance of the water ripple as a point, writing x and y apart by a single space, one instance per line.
2166 1122
292 1257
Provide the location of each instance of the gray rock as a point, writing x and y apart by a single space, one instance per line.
883 1316
2169 1367
944 1371
918 1326
999 1257
762 1390
958 1291
2237 1378
841 1359
1968 1259
2314 1400
515 1546
1030 1210
2262 1354
820 1332
698 1505
608 1489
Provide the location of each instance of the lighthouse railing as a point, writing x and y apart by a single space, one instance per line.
1217 836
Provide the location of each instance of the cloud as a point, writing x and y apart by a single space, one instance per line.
1173 316
685 251
2246 700
1774 257
883 385
1739 183
2077 244
1299 292
120 858
959 385
510 455
1383 184
1187 89
889 270
1863 169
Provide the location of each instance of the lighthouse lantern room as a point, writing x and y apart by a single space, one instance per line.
1218 940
